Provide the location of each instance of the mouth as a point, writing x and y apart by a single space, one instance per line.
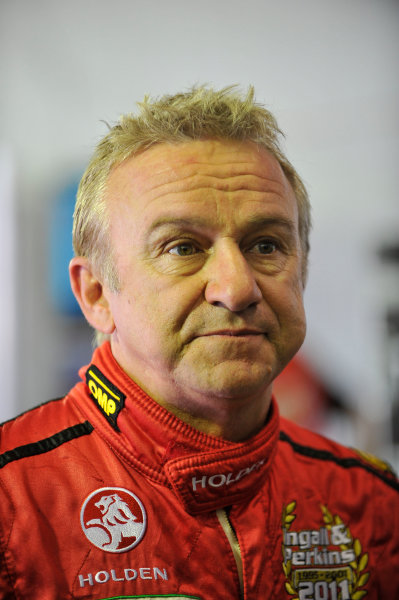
234 333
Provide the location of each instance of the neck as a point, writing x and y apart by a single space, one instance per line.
231 420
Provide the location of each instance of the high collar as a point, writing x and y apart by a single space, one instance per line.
205 472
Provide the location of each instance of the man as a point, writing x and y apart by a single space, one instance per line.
167 472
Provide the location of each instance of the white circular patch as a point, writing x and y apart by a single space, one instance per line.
113 519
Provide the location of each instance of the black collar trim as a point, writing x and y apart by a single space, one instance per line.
346 463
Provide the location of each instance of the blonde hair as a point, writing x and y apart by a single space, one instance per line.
199 113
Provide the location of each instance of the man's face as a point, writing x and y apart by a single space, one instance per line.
206 244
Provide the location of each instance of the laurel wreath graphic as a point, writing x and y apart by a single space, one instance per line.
358 566
287 519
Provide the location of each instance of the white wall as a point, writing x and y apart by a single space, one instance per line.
327 69
8 267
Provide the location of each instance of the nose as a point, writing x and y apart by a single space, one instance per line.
230 279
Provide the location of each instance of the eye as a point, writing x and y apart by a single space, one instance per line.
264 247
183 249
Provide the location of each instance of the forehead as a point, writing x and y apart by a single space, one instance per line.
198 174
164 163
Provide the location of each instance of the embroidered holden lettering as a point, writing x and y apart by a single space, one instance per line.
126 575
160 574
229 479
130 574
89 580
240 474
114 577
221 479
196 482
217 480
145 573
101 577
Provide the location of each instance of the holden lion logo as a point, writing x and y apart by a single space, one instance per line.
113 519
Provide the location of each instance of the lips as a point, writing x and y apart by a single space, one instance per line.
234 332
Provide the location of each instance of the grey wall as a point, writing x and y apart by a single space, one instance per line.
329 72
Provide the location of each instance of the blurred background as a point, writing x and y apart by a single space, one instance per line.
327 70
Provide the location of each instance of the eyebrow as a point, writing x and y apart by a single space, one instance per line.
197 222
279 220
194 222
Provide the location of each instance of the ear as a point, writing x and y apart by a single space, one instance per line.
91 295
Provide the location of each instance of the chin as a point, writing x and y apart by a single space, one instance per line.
236 384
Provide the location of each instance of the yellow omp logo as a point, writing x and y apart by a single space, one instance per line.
107 404
108 398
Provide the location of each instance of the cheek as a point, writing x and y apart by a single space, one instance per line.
145 315
286 302
295 295
294 318
284 293
294 308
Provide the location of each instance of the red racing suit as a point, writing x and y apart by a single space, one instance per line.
105 494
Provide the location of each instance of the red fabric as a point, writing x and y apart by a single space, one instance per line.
311 522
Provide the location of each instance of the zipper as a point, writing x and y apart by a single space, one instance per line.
235 546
